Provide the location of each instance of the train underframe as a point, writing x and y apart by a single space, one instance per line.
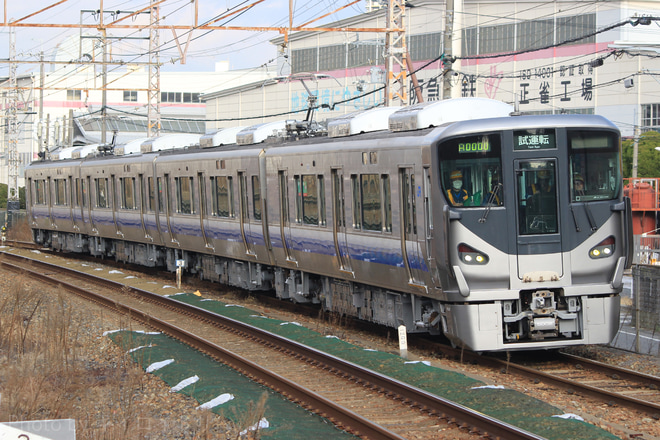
537 316
368 303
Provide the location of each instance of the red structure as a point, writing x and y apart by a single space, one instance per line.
644 195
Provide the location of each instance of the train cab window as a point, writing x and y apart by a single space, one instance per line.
39 192
102 193
537 197
60 192
127 188
594 165
256 198
184 195
470 170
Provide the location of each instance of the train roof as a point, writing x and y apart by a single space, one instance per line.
433 119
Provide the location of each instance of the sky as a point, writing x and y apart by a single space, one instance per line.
242 49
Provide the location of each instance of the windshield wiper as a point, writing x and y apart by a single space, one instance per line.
489 203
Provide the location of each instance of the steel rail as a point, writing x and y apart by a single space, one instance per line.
434 405
650 408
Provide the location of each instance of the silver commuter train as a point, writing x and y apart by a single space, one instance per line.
364 224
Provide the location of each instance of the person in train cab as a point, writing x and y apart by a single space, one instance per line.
458 195
543 184
578 185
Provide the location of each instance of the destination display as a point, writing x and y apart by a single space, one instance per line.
543 140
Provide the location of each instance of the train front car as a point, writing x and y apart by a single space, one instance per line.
538 233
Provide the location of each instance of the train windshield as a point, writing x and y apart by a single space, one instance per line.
470 170
594 165
537 197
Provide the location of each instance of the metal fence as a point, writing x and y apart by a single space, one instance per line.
640 312
647 249
12 218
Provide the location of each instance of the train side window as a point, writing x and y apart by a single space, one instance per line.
372 218
184 202
101 192
223 196
310 200
309 195
60 192
127 187
256 198
151 194
39 192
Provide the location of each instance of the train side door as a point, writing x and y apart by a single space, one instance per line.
73 203
409 235
538 218
87 194
49 192
165 207
285 222
115 203
244 212
339 221
143 207
201 182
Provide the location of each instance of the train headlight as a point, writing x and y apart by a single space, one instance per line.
469 255
603 249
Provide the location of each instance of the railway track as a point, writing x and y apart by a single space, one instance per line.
610 384
359 400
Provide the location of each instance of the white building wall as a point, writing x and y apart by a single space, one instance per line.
551 80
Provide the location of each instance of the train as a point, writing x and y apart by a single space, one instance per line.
459 217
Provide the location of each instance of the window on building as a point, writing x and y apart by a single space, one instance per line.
497 39
190 97
469 42
73 95
304 60
130 95
535 34
569 28
425 46
651 117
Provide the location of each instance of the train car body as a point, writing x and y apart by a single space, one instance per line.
367 225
